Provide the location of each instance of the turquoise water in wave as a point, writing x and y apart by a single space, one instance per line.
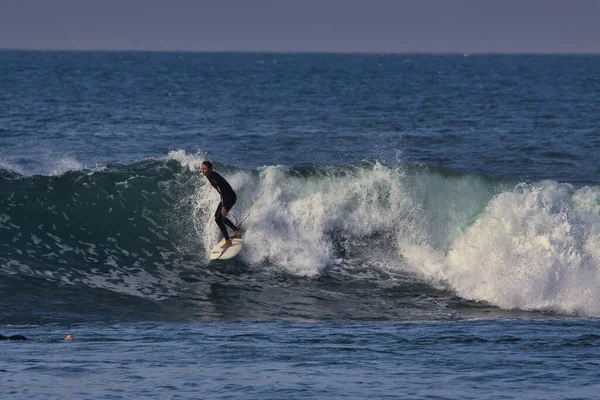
417 226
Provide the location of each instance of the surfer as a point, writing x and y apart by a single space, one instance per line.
228 199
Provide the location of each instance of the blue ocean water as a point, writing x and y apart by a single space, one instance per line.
417 226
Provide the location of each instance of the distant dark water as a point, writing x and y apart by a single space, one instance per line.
399 208
525 117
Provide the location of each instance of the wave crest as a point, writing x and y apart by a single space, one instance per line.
142 229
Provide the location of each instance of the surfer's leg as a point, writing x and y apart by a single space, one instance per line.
219 220
230 224
229 205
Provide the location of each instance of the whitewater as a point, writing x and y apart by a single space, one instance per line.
514 246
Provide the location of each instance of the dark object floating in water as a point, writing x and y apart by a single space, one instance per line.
13 337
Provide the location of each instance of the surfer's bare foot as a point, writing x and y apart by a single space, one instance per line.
236 234
227 244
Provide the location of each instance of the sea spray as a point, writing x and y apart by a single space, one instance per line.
533 248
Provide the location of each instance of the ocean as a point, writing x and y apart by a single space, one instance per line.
417 226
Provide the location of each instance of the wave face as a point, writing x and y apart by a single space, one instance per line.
363 241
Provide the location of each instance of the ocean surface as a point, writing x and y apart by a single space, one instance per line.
416 226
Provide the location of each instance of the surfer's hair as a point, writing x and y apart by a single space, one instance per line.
208 164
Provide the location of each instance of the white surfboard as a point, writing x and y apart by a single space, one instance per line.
218 253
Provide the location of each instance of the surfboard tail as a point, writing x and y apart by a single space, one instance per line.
219 253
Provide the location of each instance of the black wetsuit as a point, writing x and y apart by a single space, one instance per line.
228 199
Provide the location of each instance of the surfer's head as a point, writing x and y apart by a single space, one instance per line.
206 168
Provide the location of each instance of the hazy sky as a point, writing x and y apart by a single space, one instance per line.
466 26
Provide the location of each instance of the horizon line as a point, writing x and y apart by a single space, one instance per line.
333 52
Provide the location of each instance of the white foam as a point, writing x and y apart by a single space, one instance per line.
292 216
11 167
533 248
191 161
64 165
49 163
4 219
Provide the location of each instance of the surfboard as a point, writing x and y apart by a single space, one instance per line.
218 253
